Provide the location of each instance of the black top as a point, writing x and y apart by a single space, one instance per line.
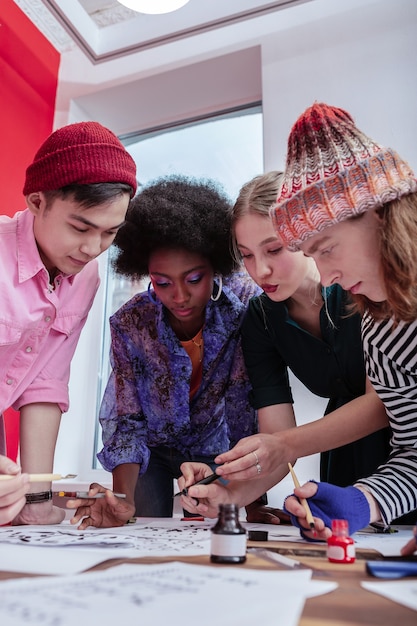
331 367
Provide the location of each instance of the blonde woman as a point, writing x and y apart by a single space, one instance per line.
297 324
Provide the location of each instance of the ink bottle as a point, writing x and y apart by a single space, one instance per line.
340 547
228 537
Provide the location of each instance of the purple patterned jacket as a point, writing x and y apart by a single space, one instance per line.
146 401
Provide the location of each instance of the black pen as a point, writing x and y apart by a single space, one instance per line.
204 481
380 527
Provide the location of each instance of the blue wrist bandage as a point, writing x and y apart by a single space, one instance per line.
331 502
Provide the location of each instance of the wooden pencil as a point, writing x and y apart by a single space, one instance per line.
303 501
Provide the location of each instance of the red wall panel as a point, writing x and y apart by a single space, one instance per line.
29 67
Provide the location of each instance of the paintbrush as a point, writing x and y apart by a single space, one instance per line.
303 501
84 495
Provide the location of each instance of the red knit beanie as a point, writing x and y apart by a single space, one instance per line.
333 172
81 154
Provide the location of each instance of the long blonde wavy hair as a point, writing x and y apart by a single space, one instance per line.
398 249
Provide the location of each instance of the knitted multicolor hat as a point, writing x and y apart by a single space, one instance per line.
333 172
81 153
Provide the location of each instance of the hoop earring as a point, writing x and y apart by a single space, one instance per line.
219 293
151 295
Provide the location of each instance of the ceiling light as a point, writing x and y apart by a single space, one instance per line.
154 6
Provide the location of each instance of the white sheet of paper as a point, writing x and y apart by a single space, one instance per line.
148 537
388 544
21 546
159 594
385 544
62 549
401 591
35 560
135 540
277 532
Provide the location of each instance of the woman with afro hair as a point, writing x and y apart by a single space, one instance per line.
178 390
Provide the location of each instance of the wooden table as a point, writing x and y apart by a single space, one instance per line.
348 605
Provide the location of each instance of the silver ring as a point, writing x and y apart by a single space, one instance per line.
258 468
256 457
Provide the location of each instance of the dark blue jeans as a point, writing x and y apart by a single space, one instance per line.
154 489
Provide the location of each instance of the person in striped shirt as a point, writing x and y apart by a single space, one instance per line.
351 205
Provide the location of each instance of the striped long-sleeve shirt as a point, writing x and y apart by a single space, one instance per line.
391 364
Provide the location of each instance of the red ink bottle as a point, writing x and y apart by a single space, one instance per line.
228 537
340 547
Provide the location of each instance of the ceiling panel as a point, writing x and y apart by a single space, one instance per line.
106 30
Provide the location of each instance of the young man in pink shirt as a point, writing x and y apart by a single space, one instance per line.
77 191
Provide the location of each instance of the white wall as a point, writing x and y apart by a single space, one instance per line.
357 54
363 61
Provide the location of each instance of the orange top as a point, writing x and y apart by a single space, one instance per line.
195 349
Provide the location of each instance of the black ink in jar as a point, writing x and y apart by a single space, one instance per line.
228 537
